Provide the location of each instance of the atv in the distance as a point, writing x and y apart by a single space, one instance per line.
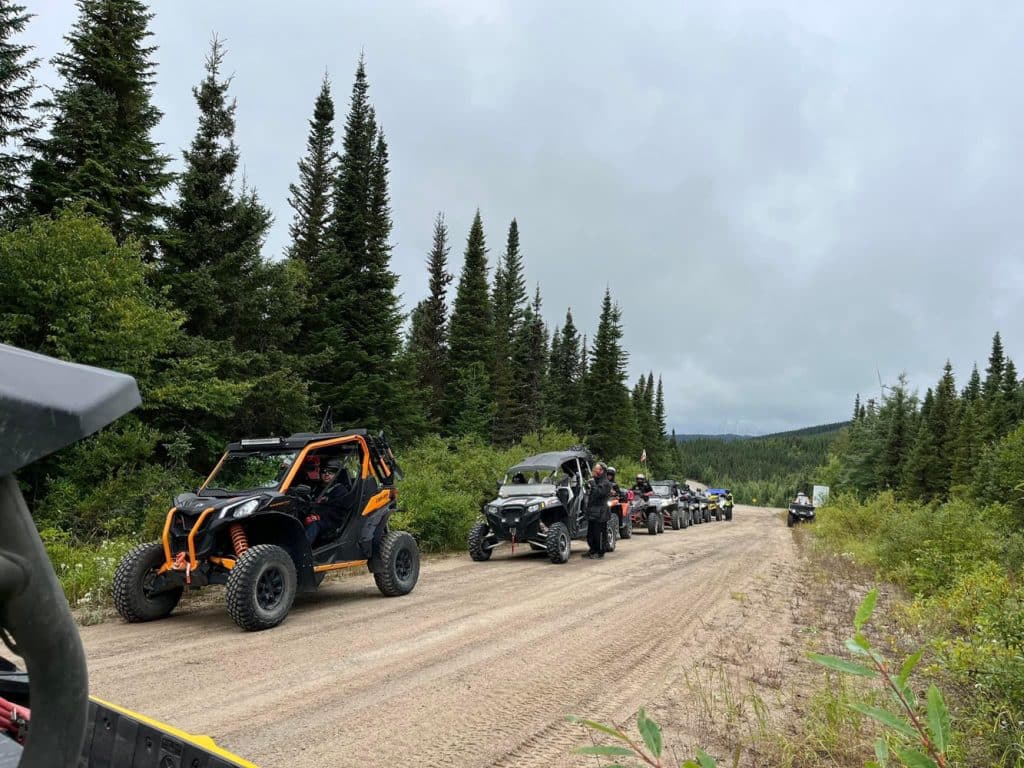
799 511
246 528
541 502
666 498
620 503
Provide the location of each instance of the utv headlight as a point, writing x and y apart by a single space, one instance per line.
246 509
535 507
491 509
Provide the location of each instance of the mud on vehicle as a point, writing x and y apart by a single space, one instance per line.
541 502
244 528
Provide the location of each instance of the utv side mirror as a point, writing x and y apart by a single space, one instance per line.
563 495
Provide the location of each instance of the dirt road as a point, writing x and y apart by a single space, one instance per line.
477 667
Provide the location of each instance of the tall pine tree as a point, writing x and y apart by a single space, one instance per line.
471 330
100 149
611 422
310 198
211 262
17 125
428 335
566 372
509 303
529 357
991 390
353 338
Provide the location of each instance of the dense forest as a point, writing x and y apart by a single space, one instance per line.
927 492
109 258
760 470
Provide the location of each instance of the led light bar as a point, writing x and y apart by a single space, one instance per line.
255 442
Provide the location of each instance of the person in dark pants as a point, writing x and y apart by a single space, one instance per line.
597 513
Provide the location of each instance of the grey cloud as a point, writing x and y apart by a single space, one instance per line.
782 196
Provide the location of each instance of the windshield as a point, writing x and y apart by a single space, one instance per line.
249 470
534 481
662 490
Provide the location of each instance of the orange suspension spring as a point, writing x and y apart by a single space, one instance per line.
239 539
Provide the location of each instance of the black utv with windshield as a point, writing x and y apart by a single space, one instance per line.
250 525
542 503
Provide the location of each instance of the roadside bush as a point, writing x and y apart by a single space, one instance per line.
86 572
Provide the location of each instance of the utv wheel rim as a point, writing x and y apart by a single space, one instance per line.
403 565
563 543
269 589
147 583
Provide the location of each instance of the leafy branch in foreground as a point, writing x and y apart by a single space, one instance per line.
918 738
650 753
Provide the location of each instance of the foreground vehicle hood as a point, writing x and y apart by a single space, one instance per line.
521 501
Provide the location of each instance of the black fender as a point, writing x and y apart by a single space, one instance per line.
286 532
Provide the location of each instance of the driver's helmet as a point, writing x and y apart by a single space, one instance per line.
610 471
519 478
641 477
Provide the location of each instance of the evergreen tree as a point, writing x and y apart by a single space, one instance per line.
471 330
100 149
353 340
211 260
17 126
508 300
921 472
428 338
472 390
968 445
943 427
564 401
659 414
856 407
992 388
1009 400
896 421
611 421
528 361
310 198
972 392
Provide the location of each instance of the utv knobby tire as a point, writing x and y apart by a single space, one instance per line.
611 534
261 587
677 523
728 515
652 523
401 558
477 536
661 523
626 529
559 545
129 588
790 519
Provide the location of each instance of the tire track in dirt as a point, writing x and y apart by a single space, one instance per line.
478 667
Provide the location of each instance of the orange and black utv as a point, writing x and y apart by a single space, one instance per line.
248 527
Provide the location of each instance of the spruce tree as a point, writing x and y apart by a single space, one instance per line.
530 352
211 261
428 338
564 402
509 303
353 339
921 472
991 390
611 422
659 414
856 408
896 424
471 329
972 392
1009 399
968 444
17 125
310 198
100 149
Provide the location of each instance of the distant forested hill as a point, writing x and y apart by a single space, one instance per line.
768 468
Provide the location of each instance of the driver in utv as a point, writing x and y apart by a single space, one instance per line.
332 504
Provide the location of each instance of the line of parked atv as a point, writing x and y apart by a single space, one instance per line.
541 503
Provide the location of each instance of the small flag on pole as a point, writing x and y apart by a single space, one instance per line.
643 456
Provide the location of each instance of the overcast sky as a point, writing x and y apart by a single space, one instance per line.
783 196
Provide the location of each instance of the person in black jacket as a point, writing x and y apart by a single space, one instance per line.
597 513
332 506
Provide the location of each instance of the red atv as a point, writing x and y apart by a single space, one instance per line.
619 504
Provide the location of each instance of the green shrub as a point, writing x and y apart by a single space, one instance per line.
85 571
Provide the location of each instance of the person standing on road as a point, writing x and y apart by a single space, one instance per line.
597 513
